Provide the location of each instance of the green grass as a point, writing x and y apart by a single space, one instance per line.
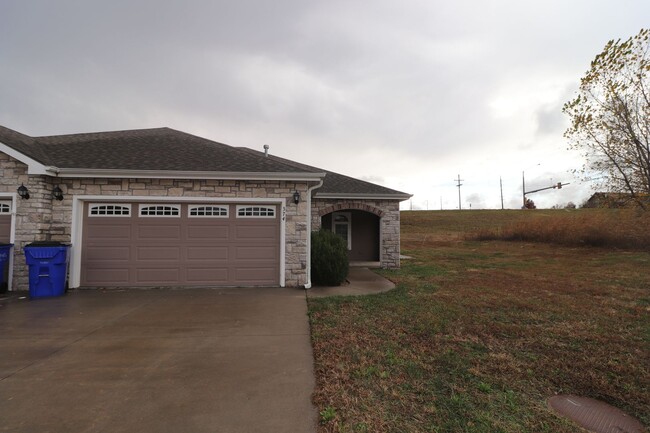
477 335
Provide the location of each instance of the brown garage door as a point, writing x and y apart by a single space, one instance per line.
5 221
153 244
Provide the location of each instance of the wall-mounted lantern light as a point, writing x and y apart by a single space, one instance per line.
57 193
296 197
23 192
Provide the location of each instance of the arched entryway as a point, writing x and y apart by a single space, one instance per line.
360 230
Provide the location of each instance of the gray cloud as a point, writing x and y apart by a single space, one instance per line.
475 201
433 87
550 121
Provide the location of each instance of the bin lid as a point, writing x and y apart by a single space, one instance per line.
46 244
6 245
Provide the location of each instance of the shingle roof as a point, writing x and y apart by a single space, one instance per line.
23 144
140 149
165 149
335 183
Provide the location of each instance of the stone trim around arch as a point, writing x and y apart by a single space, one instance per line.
389 227
351 205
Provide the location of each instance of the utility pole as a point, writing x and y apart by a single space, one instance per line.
459 180
523 190
440 202
501 185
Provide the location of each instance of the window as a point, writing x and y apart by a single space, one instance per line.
207 211
341 226
5 207
160 210
255 212
123 210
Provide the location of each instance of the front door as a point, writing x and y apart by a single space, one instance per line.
341 225
360 231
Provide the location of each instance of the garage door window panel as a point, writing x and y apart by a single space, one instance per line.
255 212
109 210
5 207
160 210
207 212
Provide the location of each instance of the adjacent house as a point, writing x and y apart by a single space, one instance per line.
615 200
160 207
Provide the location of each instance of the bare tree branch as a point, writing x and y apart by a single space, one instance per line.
610 117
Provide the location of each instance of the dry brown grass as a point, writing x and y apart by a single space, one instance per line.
627 229
478 335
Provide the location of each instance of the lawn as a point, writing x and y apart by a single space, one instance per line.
478 334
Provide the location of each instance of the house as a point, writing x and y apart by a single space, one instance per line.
160 207
615 200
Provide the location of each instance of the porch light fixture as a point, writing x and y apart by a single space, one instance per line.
23 192
57 193
296 197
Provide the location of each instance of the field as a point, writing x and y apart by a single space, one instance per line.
478 334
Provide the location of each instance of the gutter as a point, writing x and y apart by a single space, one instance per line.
309 193
182 174
334 195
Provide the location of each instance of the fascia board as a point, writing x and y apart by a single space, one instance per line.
400 197
33 167
179 174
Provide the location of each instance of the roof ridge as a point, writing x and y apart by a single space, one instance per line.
251 152
106 132
281 160
333 173
101 134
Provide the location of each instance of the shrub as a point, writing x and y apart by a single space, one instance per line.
329 259
529 204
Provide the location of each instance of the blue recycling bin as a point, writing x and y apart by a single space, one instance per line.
5 253
48 268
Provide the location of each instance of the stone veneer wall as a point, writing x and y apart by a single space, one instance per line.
388 211
42 218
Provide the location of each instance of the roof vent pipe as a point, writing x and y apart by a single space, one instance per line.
266 150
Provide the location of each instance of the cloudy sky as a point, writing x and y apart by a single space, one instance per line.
407 94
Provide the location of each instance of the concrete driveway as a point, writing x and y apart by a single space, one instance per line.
194 360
